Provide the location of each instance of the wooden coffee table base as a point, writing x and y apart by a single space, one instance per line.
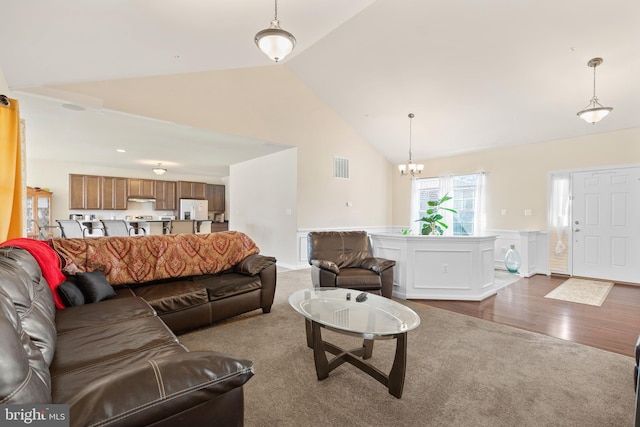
357 357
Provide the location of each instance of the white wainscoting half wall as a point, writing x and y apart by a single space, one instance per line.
531 245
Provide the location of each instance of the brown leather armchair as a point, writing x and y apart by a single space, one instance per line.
344 259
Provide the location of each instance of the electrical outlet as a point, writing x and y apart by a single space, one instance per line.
503 212
527 212
445 268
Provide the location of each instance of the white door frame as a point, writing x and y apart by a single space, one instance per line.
570 173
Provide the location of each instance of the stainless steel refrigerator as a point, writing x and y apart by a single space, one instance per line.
194 209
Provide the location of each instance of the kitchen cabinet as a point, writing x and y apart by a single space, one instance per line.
142 188
85 192
165 195
114 193
215 196
39 203
192 190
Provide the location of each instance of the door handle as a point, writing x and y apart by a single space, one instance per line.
576 230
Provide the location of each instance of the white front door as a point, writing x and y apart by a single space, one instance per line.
606 224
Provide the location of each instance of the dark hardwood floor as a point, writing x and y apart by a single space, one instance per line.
614 326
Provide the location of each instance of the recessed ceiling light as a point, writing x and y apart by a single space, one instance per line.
120 150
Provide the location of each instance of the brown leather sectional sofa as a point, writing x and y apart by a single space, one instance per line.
190 280
114 362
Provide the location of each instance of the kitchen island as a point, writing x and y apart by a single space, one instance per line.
145 225
196 226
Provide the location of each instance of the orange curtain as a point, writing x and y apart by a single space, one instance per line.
10 172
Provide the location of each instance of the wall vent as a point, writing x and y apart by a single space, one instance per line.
340 167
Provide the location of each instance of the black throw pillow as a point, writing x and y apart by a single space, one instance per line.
94 286
70 294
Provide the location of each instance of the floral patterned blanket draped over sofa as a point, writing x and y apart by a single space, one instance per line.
127 260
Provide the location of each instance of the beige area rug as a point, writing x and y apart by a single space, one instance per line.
582 291
461 371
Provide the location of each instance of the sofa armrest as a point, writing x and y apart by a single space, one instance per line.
156 389
377 265
325 265
254 264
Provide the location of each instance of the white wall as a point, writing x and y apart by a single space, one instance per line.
516 177
4 86
269 104
263 203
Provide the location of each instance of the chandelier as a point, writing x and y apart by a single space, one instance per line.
159 170
410 168
594 111
275 42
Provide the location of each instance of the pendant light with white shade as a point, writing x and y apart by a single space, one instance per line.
594 112
275 42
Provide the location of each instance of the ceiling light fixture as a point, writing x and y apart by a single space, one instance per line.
159 170
410 168
594 111
275 42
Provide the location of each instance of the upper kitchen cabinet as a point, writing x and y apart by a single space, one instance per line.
165 195
142 188
85 192
192 190
114 193
215 196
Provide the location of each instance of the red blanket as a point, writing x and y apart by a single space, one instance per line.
47 260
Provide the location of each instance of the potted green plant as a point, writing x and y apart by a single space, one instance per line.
432 221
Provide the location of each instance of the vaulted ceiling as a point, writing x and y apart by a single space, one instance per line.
476 74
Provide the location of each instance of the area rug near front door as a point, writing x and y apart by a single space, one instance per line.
582 291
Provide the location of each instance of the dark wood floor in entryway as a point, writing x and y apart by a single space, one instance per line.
614 326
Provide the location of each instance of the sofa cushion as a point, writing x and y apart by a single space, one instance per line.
68 385
102 313
358 278
79 348
70 294
172 296
94 286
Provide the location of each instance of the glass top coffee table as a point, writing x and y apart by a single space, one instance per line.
373 318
